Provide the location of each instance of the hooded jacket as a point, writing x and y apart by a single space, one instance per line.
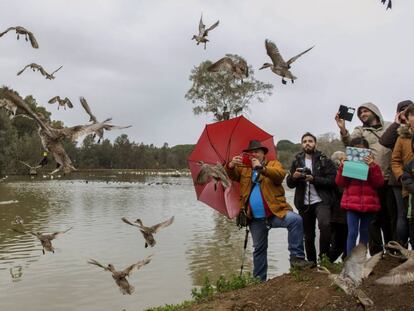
323 172
372 135
402 153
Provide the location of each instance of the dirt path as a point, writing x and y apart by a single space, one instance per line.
311 290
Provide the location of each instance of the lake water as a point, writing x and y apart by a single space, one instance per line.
200 242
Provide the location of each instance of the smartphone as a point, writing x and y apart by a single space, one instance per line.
246 159
346 113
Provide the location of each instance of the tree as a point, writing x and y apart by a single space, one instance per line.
223 96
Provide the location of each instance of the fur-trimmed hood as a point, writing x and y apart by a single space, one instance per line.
404 131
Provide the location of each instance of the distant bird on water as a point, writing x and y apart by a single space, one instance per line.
148 232
17 220
203 32
45 239
389 5
238 69
279 66
92 118
23 31
61 102
39 68
356 268
215 172
120 276
32 169
403 273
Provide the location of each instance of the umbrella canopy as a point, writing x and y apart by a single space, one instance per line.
219 143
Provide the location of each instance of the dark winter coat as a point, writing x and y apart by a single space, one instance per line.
361 195
323 172
408 183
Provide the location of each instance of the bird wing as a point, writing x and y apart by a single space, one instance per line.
211 28
86 107
225 63
68 102
402 274
353 265
55 234
137 265
19 102
21 71
156 228
29 166
96 263
370 264
56 70
77 131
290 61
54 99
204 175
201 26
221 173
110 127
6 31
129 223
33 40
274 53
244 67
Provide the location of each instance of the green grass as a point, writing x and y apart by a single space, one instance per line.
207 291
332 267
297 274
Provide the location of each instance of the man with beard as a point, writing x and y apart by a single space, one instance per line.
313 176
372 128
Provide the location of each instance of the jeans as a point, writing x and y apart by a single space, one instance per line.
259 228
402 222
322 212
357 222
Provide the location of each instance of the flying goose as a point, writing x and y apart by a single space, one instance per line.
32 169
148 232
203 32
389 5
403 273
93 119
215 172
238 69
9 106
52 137
120 276
61 102
39 68
279 66
45 239
23 31
356 268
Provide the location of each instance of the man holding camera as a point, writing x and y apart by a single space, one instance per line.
313 176
372 128
263 197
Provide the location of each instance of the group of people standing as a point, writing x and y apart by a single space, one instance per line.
377 210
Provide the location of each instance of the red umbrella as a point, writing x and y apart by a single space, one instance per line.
220 142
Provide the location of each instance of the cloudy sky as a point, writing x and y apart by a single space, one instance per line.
132 59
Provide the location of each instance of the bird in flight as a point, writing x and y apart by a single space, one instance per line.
203 32
39 68
23 31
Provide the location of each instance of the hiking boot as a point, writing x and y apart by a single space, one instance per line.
301 263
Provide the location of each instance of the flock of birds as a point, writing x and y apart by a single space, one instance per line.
51 136
120 276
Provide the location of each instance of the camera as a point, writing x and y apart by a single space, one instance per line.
304 171
246 159
346 113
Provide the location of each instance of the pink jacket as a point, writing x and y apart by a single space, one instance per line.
361 195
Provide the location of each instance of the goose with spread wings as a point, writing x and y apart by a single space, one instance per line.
356 268
279 66
52 137
22 31
238 69
61 102
203 32
45 239
148 232
120 276
34 67
403 273
32 169
92 118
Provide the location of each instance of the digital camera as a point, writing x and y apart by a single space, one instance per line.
304 171
246 159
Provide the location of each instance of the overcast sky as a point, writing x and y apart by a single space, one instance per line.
132 59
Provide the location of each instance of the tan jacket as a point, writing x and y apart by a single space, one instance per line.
402 152
381 154
271 179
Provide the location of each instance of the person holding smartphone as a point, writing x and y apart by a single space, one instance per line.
263 197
